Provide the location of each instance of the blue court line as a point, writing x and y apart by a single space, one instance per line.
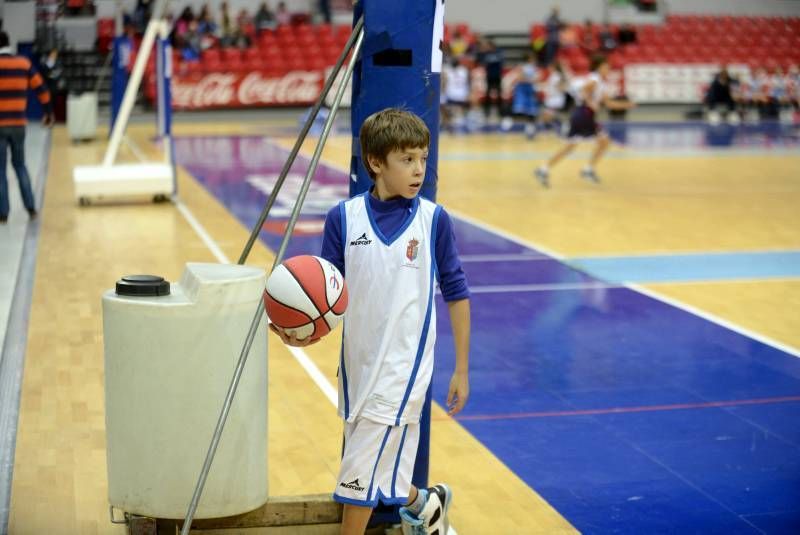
691 267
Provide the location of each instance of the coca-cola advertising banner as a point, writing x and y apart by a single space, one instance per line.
245 89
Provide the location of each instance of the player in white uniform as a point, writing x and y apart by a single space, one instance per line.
393 247
590 94
555 97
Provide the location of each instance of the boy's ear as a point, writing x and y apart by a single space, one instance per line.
373 163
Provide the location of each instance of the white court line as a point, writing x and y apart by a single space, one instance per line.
637 288
134 148
502 288
201 232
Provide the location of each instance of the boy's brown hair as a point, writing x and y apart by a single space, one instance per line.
388 130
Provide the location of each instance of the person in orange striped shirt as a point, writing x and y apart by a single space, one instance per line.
17 75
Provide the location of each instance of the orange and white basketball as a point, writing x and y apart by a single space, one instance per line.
306 295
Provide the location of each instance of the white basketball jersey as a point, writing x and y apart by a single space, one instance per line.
390 323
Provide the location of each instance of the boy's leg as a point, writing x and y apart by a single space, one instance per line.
17 140
600 147
543 171
355 519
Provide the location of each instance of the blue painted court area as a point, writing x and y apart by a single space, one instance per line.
628 415
692 267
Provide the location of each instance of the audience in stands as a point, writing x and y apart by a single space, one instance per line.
553 25
282 16
265 18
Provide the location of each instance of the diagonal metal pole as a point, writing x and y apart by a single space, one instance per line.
254 325
302 137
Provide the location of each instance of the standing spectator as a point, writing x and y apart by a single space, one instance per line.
17 75
588 41
627 34
456 92
141 14
793 86
53 73
721 92
525 104
325 10
265 18
282 16
492 60
553 26
608 42
226 28
182 27
205 21
192 42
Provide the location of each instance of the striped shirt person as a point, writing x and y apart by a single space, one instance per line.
17 75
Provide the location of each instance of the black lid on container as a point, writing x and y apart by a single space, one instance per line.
142 286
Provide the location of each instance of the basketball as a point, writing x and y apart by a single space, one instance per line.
306 295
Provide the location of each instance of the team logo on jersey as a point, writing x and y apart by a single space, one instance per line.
353 485
412 250
361 240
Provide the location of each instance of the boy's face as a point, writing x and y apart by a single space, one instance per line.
401 174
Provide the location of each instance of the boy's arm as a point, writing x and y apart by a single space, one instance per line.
458 393
455 291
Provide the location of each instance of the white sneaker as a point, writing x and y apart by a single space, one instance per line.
542 175
432 520
506 124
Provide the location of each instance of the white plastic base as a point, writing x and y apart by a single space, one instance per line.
152 181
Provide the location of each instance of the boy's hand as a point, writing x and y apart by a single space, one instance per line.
458 393
291 340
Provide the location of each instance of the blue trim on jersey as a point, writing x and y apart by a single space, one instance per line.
434 232
378 460
343 371
399 231
397 461
424 337
343 221
370 503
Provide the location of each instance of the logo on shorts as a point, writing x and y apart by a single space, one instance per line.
361 240
353 485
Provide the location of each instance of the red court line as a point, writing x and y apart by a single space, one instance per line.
623 410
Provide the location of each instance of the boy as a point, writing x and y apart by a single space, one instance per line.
392 246
590 94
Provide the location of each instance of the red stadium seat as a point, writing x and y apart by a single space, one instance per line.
231 54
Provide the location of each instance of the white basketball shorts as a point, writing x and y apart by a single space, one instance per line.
377 463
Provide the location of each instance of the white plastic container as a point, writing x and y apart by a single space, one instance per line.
169 360
82 116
